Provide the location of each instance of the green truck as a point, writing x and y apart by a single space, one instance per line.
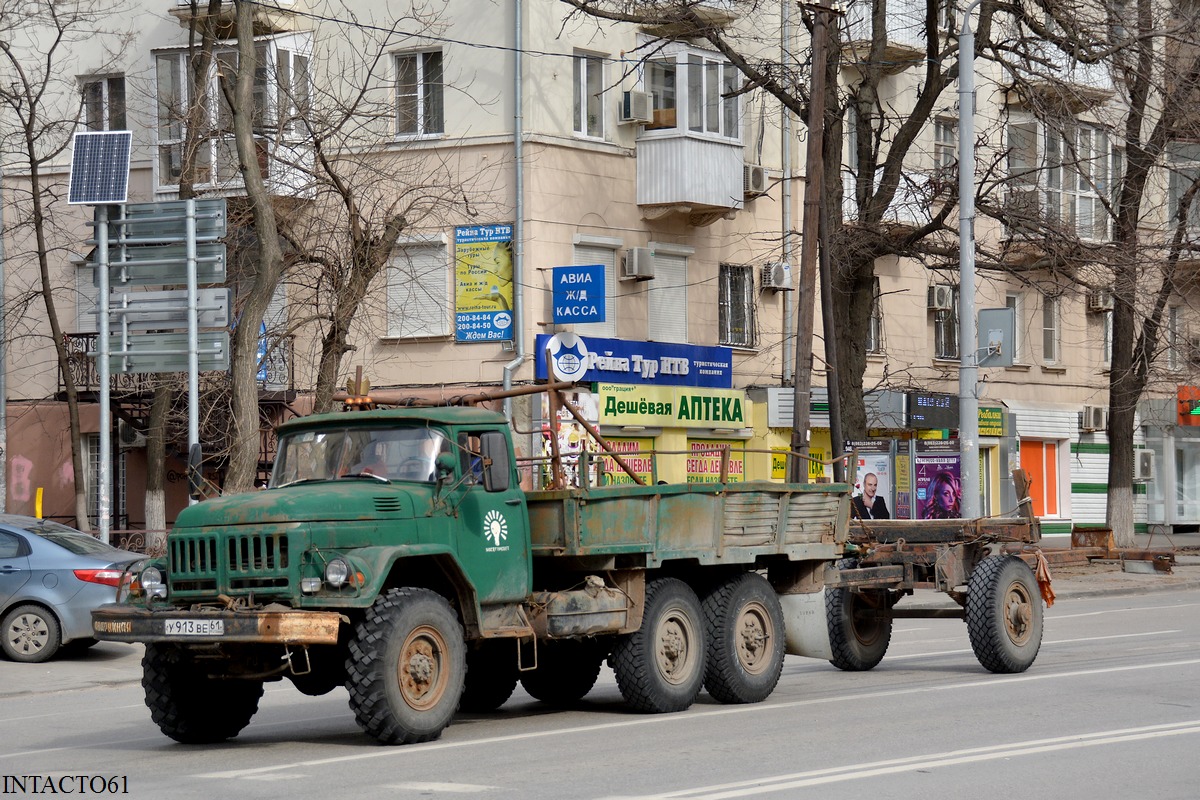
395 553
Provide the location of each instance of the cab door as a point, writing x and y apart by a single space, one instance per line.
14 566
493 538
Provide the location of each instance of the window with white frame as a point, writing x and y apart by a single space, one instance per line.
420 107
1064 177
945 330
705 101
1107 321
104 103
1174 338
737 312
1050 332
875 323
945 149
282 88
1015 301
1184 186
606 256
418 291
589 95
666 299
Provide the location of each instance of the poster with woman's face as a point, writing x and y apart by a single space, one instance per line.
936 479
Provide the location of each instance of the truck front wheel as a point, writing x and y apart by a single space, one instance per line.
660 666
745 639
188 705
407 666
1004 614
860 628
567 670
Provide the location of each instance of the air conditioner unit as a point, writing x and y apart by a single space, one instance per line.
754 180
636 108
128 436
1143 465
777 275
941 297
638 264
1093 418
1100 301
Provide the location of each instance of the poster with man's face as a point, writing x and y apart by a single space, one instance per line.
873 485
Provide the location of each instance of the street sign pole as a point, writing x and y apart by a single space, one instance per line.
193 339
102 373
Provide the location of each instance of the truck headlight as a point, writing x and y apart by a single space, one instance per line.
152 583
337 571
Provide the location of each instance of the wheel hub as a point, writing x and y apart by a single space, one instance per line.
419 669
28 634
1018 615
752 639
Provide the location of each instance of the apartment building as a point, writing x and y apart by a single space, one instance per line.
523 162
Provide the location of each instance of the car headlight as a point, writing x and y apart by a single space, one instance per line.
337 571
152 583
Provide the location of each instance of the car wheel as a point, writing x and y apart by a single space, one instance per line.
30 633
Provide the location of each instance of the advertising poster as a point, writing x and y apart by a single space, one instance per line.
483 283
572 438
704 464
636 454
936 479
872 498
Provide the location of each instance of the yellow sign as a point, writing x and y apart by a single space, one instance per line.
636 455
483 283
779 463
672 406
704 464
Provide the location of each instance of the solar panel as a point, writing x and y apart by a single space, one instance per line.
100 167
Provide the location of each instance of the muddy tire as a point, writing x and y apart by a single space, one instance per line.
858 635
660 667
407 667
1004 614
191 707
566 672
31 634
744 627
491 676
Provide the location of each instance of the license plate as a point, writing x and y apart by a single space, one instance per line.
194 627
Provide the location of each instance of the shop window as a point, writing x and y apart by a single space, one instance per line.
1039 459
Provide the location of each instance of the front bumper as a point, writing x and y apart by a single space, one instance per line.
118 622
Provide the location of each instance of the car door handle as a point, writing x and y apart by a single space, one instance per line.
516 501
10 569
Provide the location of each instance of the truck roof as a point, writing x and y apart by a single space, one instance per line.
440 415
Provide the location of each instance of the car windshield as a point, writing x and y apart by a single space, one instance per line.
80 544
386 454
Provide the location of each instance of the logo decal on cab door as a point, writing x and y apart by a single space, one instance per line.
495 530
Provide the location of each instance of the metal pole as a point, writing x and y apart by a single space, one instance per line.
968 403
104 482
193 334
785 205
3 363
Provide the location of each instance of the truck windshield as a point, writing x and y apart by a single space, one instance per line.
385 454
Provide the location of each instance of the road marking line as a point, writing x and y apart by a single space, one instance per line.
1120 610
1054 642
686 717
460 788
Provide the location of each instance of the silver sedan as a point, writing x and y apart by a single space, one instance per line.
51 577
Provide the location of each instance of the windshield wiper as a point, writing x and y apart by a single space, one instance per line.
299 481
379 478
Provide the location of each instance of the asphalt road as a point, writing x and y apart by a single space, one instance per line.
1108 710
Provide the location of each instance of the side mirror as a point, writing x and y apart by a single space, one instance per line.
497 471
445 464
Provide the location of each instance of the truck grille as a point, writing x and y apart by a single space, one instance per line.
237 563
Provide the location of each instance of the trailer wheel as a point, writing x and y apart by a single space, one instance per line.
660 667
491 676
191 707
406 667
859 628
1004 614
567 670
744 627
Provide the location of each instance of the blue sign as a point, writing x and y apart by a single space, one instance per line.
579 294
591 359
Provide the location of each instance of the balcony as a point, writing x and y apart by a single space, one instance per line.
906 39
699 178
270 16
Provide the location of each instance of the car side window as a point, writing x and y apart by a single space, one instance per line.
10 546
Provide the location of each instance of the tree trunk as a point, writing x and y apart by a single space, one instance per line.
156 459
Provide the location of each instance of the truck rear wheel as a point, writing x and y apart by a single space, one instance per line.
744 627
191 707
567 670
1004 614
660 666
407 666
859 628
491 675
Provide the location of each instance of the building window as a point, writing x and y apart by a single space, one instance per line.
1174 339
706 102
104 104
1050 329
945 330
1106 321
589 96
1014 301
945 150
737 312
875 323
418 292
606 256
419 94
1040 461
666 299
1184 165
1061 178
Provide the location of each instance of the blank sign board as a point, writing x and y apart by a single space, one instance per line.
100 168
